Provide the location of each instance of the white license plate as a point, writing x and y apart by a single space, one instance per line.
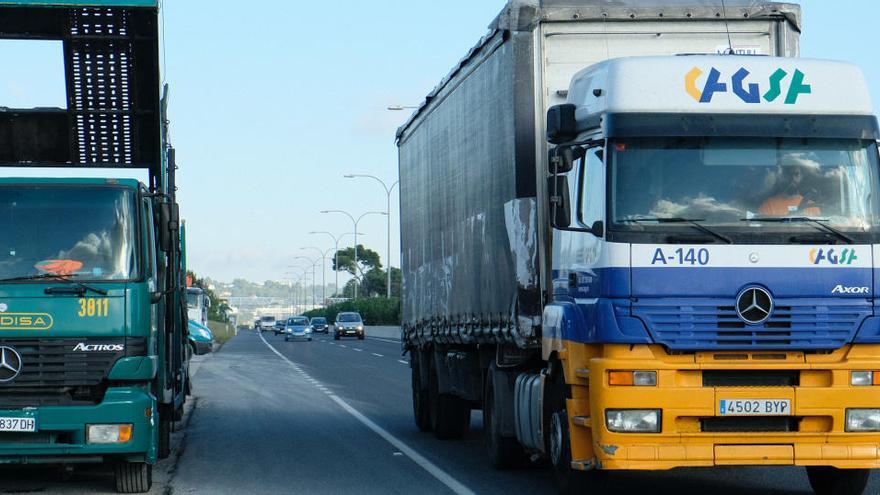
755 407
18 424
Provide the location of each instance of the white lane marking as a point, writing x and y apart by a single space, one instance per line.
381 339
359 350
435 471
342 345
402 361
377 355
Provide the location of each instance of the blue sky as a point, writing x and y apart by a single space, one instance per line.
271 105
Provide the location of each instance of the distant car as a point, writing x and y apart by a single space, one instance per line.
266 323
201 339
297 328
279 326
348 324
319 325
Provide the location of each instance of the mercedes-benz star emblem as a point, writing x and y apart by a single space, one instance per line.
10 364
754 305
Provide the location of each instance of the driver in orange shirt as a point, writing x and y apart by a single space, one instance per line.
793 198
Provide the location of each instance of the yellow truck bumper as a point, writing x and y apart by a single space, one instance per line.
815 435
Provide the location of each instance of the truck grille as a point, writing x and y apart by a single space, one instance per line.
713 324
749 424
52 373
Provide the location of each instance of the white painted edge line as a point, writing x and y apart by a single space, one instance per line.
402 361
359 350
434 470
377 355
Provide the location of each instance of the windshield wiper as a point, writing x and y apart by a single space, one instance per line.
61 278
816 222
694 222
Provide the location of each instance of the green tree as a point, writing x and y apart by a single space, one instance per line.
367 260
375 283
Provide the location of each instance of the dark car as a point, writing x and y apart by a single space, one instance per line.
279 326
319 325
348 324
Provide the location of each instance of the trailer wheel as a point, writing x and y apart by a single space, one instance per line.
504 452
832 481
133 477
164 438
450 415
420 396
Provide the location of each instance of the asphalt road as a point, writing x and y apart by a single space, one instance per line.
335 417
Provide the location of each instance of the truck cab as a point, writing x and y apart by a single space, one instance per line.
715 224
93 328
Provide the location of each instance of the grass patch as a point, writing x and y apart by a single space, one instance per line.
222 331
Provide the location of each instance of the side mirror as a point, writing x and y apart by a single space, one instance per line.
156 296
207 302
562 158
561 123
560 201
169 225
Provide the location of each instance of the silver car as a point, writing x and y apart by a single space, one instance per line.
297 328
348 324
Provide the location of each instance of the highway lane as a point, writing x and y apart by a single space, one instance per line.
369 374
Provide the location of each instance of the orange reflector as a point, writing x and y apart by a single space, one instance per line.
620 378
876 379
125 433
148 412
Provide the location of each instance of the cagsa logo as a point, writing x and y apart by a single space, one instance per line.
830 257
850 290
83 347
749 92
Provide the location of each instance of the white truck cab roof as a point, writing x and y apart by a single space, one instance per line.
725 84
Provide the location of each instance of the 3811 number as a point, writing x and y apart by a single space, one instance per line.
93 308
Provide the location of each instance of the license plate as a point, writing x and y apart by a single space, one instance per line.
755 407
18 424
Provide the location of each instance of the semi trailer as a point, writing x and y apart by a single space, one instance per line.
641 236
92 295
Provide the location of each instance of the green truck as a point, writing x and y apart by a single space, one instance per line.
93 327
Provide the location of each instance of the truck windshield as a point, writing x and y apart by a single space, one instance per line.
732 184
82 233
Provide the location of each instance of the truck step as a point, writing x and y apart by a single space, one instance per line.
584 421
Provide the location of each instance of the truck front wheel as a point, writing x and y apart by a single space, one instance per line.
832 481
420 395
450 414
133 477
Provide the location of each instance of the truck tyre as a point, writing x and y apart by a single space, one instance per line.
450 415
504 452
420 396
569 481
832 481
164 438
133 477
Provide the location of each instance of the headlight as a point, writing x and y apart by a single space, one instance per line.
308 330
864 378
360 327
633 420
858 420
107 434
340 327
289 331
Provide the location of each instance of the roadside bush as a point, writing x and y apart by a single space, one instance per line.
374 311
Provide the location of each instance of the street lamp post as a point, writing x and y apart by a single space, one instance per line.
313 263
336 250
388 191
355 222
323 255
305 280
